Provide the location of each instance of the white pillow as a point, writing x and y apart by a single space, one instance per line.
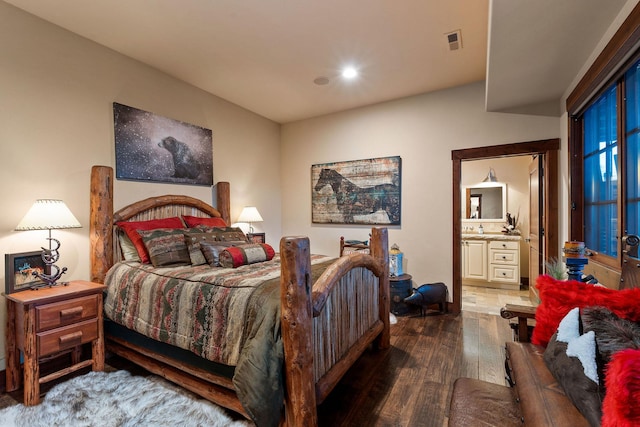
582 347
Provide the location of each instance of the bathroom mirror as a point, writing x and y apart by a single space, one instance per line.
486 201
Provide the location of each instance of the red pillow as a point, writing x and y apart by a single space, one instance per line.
193 221
622 379
557 297
130 228
236 256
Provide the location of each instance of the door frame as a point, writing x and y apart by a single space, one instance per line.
549 149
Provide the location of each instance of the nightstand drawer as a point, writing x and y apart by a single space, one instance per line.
49 316
66 337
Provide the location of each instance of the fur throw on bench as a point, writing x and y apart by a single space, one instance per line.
592 339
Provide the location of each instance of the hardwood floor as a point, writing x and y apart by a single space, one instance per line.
410 383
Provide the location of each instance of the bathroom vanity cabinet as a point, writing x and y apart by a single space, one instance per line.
491 260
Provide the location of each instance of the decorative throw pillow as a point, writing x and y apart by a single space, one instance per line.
194 221
131 227
211 251
613 334
558 297
236 256
166 247
193 238
571 358
129 251
620 407
225 234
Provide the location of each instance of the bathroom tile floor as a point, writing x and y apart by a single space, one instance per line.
489 300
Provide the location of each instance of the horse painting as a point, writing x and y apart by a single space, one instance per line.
379 204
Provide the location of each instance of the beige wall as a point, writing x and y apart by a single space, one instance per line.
56 122
422 130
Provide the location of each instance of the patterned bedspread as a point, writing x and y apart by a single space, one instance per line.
229 316
200 309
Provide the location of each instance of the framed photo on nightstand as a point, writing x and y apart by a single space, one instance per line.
20 269
256 237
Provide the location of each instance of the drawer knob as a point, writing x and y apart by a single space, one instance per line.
71 339
504 257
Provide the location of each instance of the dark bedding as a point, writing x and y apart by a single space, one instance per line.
228 316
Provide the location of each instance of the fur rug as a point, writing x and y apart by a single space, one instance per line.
117 399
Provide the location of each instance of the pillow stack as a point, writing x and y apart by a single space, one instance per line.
188 240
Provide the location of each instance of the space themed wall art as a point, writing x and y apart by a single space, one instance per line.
153 148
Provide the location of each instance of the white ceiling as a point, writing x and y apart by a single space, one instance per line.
265 54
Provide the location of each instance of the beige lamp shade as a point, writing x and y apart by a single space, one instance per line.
250 215
48 214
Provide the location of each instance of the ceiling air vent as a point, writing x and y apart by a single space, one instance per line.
455 40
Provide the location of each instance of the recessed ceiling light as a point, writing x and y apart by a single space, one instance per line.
349 73
321 81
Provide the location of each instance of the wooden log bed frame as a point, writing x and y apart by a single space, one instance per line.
317 353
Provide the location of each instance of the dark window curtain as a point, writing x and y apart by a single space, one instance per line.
601 174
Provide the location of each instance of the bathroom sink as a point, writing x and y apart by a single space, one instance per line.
490 236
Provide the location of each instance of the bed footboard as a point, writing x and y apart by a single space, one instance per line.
326 326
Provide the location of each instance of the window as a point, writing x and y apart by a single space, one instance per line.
600 156
602 201
632 137
604 147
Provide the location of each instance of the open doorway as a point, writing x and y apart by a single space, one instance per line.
548 152
495 233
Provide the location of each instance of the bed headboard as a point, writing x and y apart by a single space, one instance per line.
103 237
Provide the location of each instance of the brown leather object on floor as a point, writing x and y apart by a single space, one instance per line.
480 403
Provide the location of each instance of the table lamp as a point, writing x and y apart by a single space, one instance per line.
47 214
250 215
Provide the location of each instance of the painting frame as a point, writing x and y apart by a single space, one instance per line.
366 191
153 148
18 269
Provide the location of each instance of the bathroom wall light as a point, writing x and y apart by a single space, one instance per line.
491 176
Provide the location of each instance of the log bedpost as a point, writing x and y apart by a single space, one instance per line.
101 222
380 251
223 202
297 330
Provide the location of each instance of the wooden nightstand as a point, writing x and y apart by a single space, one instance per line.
44 322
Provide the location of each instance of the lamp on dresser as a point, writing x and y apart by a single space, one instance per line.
48 214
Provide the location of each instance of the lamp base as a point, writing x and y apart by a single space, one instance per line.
52 271
50 280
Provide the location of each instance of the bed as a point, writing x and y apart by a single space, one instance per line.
329 311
